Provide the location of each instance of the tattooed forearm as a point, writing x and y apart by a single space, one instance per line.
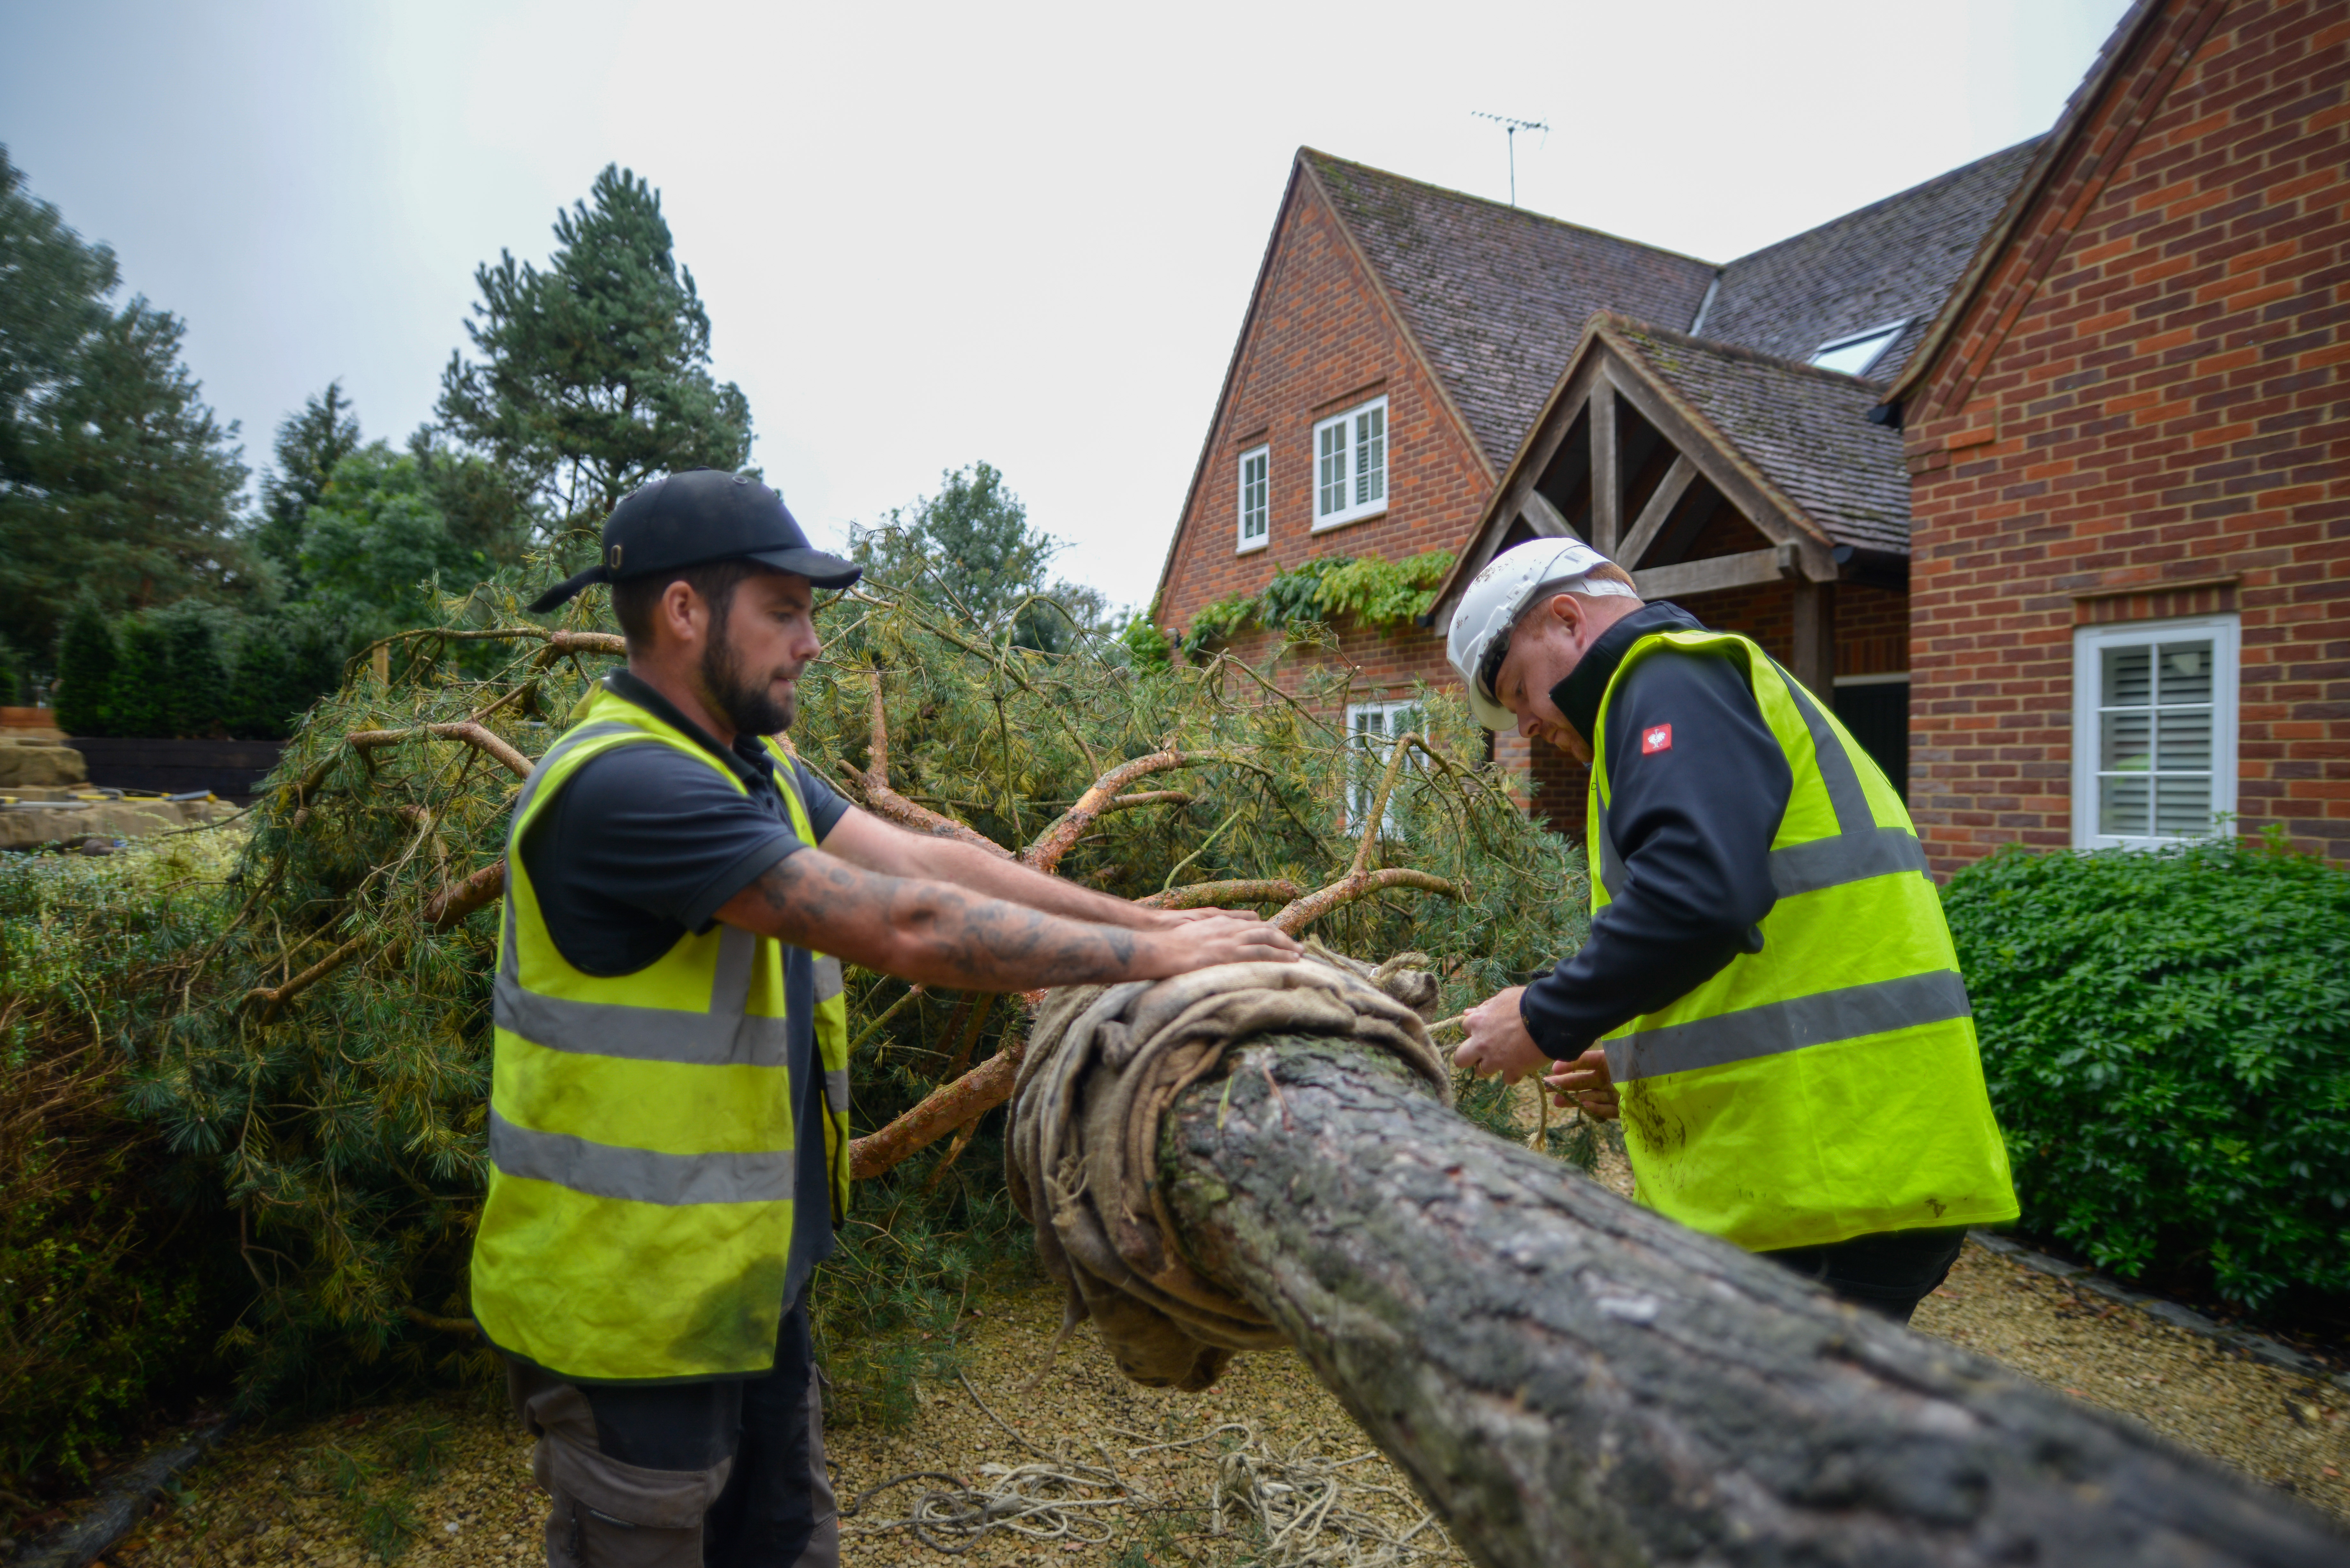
934 931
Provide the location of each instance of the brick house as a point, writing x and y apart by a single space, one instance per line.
2128 433
1416 371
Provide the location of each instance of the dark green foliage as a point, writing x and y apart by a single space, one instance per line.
377 546
1365 590
12 676
141 699
972 544
115 478
594 374
2167 1037
87 658
117 1282
309 444
197 697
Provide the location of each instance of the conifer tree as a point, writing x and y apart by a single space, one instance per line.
115 478
140 701
594 374
310 443
86 658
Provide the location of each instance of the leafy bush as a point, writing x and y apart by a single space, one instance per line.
2167 1037
88 654
1367 590
191 670
117 1285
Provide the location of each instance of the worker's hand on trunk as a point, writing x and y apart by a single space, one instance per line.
1498 1041
1583 1084
1222 938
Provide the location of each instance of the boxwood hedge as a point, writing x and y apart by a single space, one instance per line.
2167 1039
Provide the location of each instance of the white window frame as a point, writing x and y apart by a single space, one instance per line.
1348 477
2089 643
1363 777
1890 331
1262 512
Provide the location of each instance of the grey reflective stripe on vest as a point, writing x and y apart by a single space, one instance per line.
639 1174
1775 1028
1847 857
1860 848
726 1035
828 978
835 1091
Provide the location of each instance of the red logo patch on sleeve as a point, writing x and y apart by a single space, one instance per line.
1656 738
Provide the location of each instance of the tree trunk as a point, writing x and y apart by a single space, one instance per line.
1570 1379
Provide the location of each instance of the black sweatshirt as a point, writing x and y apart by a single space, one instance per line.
1697 786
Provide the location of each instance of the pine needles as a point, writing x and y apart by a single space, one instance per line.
321 1060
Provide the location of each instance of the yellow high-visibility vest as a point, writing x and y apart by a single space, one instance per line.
1829 1085
643 1127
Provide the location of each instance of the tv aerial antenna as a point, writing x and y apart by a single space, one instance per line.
1511 128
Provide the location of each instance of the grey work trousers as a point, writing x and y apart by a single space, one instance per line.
723 1474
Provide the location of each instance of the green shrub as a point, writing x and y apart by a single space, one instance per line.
116 1285
140 702
87 656
2167 1038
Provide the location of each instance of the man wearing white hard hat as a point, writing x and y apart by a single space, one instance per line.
1769 997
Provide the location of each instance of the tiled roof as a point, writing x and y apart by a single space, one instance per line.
1806 430
1498 296
1894 260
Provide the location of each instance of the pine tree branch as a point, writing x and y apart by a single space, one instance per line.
1045 854
1201 895
465 729
1357 885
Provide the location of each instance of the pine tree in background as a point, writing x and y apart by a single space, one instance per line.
594 374
310 443
140 703
87 659
115 478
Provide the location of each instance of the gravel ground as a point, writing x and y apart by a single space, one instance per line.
456 1474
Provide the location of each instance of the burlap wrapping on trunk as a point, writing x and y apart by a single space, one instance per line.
1103 1064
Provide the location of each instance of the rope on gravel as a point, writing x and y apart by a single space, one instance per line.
1297 1510
1103 1065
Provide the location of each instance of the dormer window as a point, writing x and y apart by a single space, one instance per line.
1853 355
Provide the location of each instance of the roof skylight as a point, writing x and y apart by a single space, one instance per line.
1853 355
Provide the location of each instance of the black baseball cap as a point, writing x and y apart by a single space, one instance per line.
693 518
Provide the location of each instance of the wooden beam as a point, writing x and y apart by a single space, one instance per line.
1659 507
1714 573
1607 462
1737 486
1544 518
1816 637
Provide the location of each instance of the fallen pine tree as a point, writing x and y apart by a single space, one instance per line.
1244 1157
319 1062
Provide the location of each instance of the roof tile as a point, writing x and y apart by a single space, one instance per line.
1497 295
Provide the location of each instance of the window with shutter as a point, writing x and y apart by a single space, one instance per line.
1350 465
2154 734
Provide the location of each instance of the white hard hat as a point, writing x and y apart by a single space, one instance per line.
1495 599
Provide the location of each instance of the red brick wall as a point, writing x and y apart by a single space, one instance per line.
2148 394
1322 341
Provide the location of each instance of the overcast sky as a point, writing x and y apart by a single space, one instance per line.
932 234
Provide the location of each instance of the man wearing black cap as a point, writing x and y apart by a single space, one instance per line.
668 1123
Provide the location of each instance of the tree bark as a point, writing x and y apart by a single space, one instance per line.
1570 1379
